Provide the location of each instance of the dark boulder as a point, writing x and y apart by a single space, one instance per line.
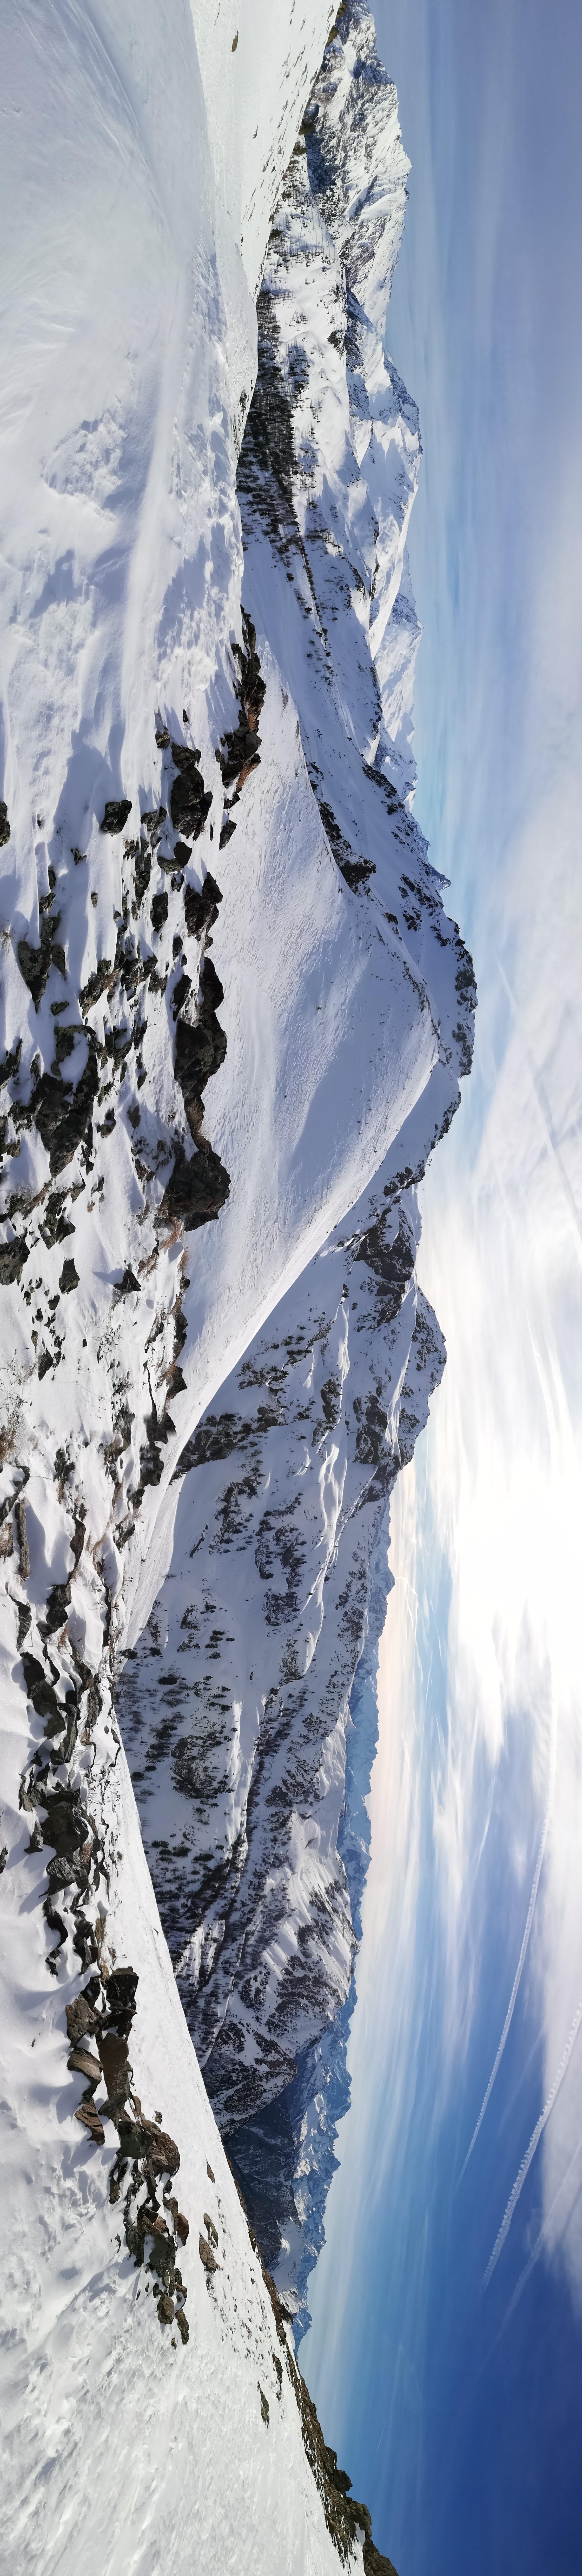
10 1063
200 1050
81 2018
159 910
40 1691
201 907
189 802
55 1225
116 814
196 1190
62 1115
181 993
12 1258
95 986
35 963
58 1603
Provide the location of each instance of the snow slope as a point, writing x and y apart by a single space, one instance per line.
234 1707
118 2442
139 1253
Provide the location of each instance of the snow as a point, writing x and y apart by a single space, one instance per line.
117 2443
234 1707
143 161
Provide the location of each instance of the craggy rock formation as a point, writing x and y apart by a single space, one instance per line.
235 1704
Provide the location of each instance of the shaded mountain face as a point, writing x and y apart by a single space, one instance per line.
235 1707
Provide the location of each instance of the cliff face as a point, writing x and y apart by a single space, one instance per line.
211 877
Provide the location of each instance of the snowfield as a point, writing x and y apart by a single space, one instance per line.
211 876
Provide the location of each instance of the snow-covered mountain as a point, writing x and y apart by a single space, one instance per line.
211 875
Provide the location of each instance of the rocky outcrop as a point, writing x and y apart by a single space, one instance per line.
235 1706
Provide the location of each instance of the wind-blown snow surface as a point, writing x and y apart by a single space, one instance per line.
139 198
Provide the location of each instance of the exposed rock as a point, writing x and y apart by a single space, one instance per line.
81 2018
122 1988
10 1063
35 963
197 1188
4 824
69 1278
12 1259
206 2255
96 984
81 2062
240 750
90 2120
55 1225
116 2069
59 1597
190 802
142 2138
34 1673
201 908
181 994
62 1115
159 909
142 872
117 811
200 1050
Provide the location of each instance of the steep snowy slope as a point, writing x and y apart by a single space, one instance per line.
118 2443
235 1706
139 1255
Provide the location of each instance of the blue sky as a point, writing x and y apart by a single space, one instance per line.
451 2387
